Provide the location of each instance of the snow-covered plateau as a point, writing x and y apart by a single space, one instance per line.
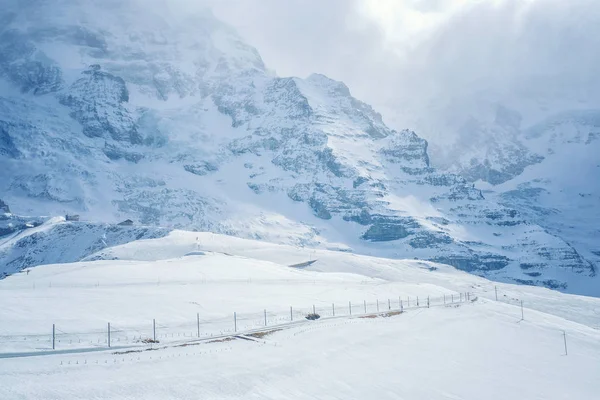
113 111
202 315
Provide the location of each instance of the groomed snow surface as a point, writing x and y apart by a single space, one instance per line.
191 283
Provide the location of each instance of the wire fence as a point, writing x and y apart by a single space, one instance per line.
157 331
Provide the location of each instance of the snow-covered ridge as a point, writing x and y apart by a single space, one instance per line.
174 121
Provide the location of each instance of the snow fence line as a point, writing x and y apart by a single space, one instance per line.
59 339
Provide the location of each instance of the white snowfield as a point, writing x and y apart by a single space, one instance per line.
191 284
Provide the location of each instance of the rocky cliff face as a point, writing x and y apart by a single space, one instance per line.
4 207
177 122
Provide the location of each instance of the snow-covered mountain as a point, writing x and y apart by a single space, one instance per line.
543 163
113 110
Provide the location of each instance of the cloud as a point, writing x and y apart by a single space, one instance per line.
299 37
433 60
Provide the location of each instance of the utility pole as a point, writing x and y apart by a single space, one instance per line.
350 307
109 334
333 308
265 317
565 338
496 290
291 314
53 337
154 329
198 323
365 303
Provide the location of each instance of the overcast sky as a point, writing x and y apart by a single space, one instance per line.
412 58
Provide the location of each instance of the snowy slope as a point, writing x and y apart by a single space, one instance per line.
58 241
113 110
468 350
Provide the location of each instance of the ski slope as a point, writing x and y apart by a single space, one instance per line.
461 350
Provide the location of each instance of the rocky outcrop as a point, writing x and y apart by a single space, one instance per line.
7 145
97 101
28 68
4 207
408 150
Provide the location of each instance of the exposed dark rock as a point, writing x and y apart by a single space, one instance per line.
117 153
7 145
202 168
406 147
359 181
385 229
462 262
431 240
319 208
27 66
96 101
4 207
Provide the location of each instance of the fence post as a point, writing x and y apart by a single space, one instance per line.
408 299
417 301
314 311
291 314
234 321
389 304
198 323
452 298
377 305
154 329
565 337
265 317
109 334
427 301
53 336
522 317
350 307
365 303
401 306
461 297
333 308
496 290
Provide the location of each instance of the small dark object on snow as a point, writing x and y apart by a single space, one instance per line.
313 316
127 222
72 217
